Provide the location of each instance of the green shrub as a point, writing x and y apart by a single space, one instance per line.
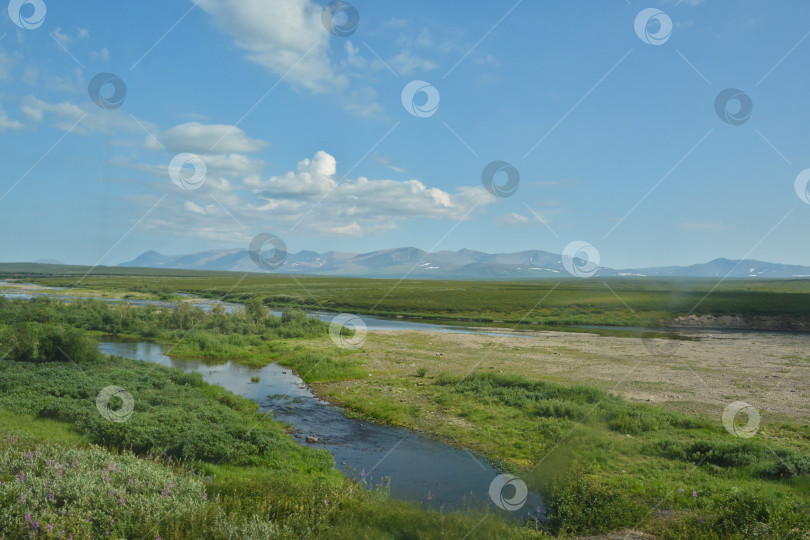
631 420
581 505
787 464
35 342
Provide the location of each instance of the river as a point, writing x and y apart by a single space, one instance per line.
414 467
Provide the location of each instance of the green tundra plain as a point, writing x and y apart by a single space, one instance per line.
620 430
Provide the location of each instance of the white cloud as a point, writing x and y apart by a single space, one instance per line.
407 64
7 123
386 161
313 179
361 103
314 201
512 219
61 36
407 40
362 205
103 54
486 60
354 58
65 116
519 220
286 36
73 82
200 138
196 208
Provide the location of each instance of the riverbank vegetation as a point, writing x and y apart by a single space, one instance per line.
248 335
189 460
603 464
606 464
551 303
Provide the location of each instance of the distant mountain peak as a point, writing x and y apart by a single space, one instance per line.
461 264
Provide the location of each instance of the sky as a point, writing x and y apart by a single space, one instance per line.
658 132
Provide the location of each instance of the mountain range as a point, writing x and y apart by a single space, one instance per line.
462 264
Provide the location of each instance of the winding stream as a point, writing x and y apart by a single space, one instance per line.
414 467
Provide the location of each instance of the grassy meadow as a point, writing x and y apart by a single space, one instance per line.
202 459
567 302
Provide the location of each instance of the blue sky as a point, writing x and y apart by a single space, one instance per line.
304 134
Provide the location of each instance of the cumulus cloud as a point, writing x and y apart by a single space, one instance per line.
313 199
286 36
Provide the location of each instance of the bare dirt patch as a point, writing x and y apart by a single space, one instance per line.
704 374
